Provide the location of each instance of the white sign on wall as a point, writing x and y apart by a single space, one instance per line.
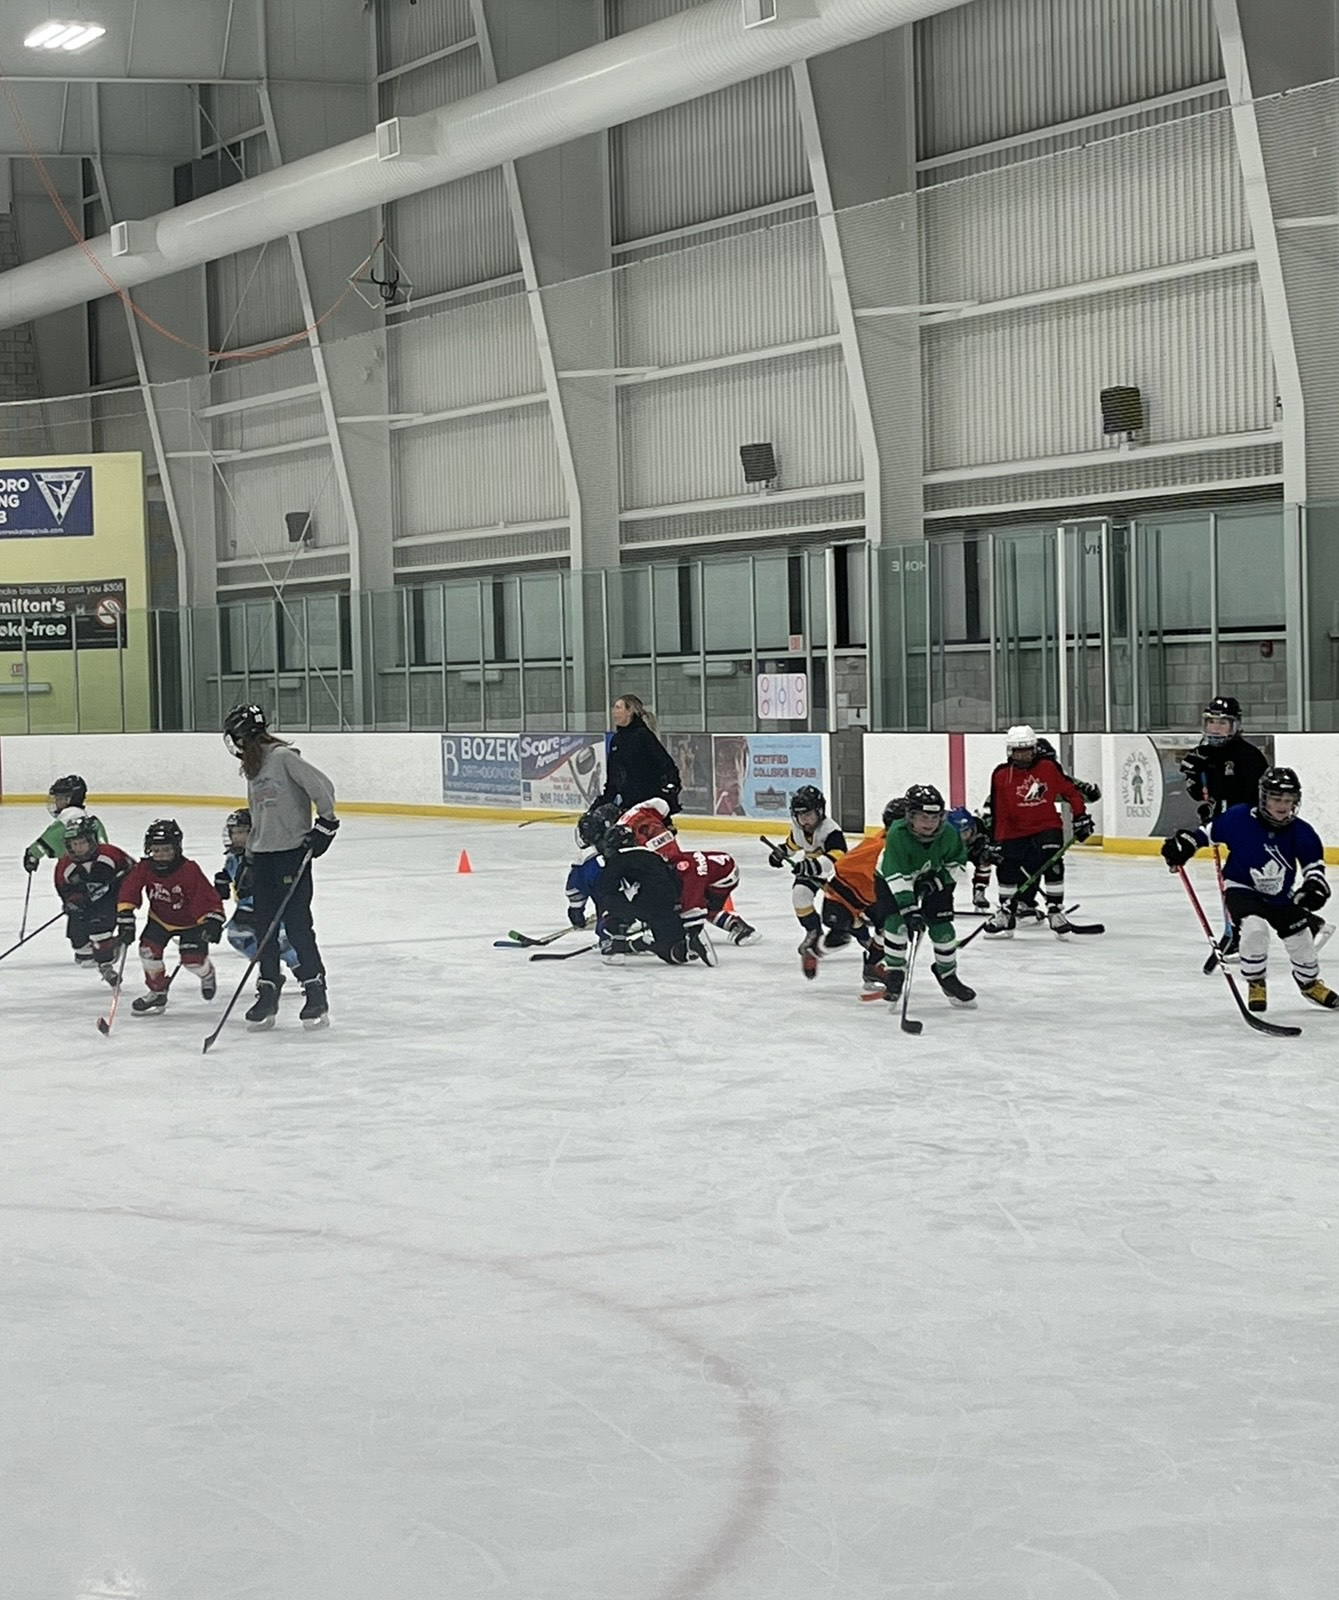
783 696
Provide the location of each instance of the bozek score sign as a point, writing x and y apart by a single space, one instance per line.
46 616
47 503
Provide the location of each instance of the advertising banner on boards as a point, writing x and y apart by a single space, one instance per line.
481 769
561 771
1151 799
46 616
46 502
756 773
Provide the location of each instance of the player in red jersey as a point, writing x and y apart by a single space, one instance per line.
88 879
1025 824
707 878
182 904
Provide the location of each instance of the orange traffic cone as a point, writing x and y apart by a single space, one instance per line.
463 865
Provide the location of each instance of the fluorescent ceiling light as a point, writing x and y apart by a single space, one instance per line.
64 35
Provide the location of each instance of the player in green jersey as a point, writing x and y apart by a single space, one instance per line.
918 864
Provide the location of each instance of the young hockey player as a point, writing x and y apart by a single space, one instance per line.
811 850
1025 822
590 829
855 898
707 878
89 875
1275 877
234 880
1224 769
918 864
66 794
637 890
182 905
982 853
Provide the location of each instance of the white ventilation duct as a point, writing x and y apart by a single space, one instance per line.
685 56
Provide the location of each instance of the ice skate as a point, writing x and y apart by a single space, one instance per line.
1257 998
109 975
149 1005
1000 924
85 958
740 932
955 990
809 953
873 973
1319 995
980 899
209 984
315 1011
897 977
1058 922
266 1007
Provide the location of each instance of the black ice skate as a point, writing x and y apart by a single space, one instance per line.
108 973
700 948
266 1007
896 978
873 973
149 1005
315 1011
980 899
1000 923
1058 922
738 931
955 990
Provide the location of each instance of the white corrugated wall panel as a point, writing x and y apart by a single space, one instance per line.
763 288
1001 67
680 437
1168 194
407 32
253 297
622 16
270 425
465 356
712 157
228 110
1024 385
478 472
458 233
244 380
251 497
120 423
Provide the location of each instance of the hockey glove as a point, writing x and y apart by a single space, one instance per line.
1206 812
125 927
913 920
1083 826
1179 849
1090 792
1312 893
223 886
777 857
322 835
213 928
31 860
1191 766
576 915
809 869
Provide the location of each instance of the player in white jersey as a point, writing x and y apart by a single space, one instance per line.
811 850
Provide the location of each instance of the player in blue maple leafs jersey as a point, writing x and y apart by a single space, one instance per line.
1275 878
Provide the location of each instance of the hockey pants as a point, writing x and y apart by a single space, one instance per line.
1256 917
153 943
1020 858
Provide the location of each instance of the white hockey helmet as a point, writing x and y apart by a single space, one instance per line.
1020 737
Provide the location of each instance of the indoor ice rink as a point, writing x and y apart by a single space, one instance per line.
563 1280
520 405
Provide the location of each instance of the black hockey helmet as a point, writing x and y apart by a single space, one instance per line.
895 810
595 824
615 838
82 832
241 818
1279 782
924 800
1222 708
65 792
1046 748
242 724
164 831
808 798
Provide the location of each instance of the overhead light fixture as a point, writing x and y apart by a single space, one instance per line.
64 35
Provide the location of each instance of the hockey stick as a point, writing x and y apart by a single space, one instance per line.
27 895
1277 1029
1023 888
910 1024
29 937
1220 949
526 941
561 816
105 1023
561 955
255 959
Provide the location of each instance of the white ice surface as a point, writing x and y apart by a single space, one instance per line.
554 1282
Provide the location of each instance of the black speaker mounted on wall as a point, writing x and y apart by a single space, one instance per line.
299 525
1122 410
758 462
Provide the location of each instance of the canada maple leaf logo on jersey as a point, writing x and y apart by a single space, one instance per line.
1269 879
1035 791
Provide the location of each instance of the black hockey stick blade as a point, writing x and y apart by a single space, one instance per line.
1087 927
561 955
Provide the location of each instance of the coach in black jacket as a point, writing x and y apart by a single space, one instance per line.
638 766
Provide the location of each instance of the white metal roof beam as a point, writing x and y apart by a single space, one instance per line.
680 58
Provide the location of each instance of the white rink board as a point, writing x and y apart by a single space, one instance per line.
556 1282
